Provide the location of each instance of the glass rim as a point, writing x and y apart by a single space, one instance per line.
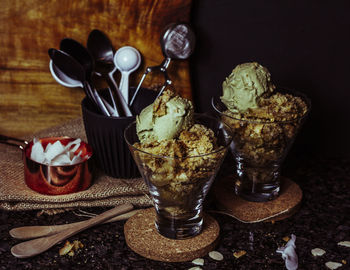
218 101
219 149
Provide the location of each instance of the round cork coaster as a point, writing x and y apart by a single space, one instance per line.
285 205
143 238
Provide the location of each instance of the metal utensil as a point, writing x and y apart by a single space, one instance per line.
177 42
66 81
79 53
127 59
83 56
71 68
102 51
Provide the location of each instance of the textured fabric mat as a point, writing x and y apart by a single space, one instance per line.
105 191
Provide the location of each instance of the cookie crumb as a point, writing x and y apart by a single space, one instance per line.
70 248
66 248
239 253
286 238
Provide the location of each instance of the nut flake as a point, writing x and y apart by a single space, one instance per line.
239 253
333 265
198 261
195 268
216 255
70 248
344 243
77 245
66 248
317 252
286 238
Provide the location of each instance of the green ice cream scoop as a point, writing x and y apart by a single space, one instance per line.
144 124
177 117
243 88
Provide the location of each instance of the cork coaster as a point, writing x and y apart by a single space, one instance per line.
143 238
285 205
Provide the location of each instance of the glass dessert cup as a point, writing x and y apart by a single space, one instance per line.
178 185
259 148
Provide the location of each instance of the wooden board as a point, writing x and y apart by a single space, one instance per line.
30 99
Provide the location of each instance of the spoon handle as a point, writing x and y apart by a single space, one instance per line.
115 110
124 86
113 85
99 101
34 247
112 110
28 232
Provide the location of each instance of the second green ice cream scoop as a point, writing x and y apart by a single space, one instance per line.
243 88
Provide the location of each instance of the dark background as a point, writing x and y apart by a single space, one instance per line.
304 44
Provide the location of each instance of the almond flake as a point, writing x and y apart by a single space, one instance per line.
198 261
195 268
333 265
216 255
344 243
318 252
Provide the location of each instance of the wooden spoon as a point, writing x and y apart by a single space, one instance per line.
29 232
34 247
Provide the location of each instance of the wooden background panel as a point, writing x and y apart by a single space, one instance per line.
30 99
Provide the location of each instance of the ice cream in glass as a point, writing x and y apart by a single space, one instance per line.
178 154
264 121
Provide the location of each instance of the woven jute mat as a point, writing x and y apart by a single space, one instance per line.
105 191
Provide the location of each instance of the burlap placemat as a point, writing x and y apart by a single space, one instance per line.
105 191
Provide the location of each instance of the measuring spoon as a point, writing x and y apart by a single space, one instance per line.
127 59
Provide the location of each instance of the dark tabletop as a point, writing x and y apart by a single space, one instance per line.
322 222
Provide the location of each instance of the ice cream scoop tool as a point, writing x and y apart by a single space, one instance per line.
74 70
127 59
177 42
34 247
102 51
